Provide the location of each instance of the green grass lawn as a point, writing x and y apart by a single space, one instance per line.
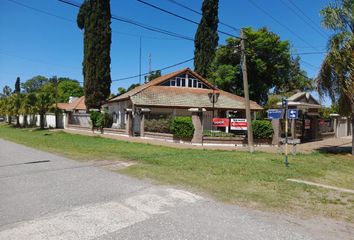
253 180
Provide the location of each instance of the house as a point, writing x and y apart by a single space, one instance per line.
306 127
75 111
75 105
175 94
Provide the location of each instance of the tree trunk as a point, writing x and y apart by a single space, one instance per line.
41 120
9 119
24 121
17 121
353 134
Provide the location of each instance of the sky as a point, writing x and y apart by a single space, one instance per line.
41 37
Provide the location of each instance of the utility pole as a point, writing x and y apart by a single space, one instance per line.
246 93
140 62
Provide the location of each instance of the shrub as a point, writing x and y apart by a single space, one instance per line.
158 125
182 127
100 119
94 115
262 129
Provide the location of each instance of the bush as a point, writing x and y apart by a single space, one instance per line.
182 127
262 129
100 119
158 125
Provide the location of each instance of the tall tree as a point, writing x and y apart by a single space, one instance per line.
7 91
206 38
336 77
69 88
34 84
18 85
95 19
270 66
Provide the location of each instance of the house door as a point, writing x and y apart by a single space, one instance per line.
136 124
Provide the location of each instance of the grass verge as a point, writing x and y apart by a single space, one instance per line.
253 180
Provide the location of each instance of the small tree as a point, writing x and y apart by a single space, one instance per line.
28 107
44 103
7 91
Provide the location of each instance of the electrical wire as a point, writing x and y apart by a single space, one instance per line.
138 24
281 24
199 13
305 21
181 17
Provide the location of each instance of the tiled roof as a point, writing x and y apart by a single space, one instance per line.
78 104
154 95
188 97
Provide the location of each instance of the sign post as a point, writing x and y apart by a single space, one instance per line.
285 105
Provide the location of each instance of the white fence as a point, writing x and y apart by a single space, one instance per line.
49 120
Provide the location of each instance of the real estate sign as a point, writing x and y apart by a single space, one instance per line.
220 122
238 124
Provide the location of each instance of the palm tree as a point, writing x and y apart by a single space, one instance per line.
28 107
15 104
44 103
336 77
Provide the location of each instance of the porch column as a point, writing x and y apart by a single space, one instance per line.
143 112
197 119
129 122
293 128
276 130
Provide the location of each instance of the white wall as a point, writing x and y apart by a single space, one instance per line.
117 109
49 120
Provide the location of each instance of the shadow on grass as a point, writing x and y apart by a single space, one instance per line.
335 149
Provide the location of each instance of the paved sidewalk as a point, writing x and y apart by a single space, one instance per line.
45 196
331 144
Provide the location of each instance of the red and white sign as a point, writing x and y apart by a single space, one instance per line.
220 122
307 123
238 124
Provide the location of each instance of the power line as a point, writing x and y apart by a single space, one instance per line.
308 53
199 13
302 12
280 23
73 21
147 73
138 24
181 17
307 22
309 64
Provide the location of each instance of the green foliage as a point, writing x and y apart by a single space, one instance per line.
34 84
206 38
7 91
269 64
182 127
17 85
161 125
69 88
100 120
95 18
131 87
209 133
94 116
326 111
121 90
154 74
44 104
262 129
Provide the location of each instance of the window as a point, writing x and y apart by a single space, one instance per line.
173 82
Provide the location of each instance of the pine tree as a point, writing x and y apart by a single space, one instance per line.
206 37
18 85
95 18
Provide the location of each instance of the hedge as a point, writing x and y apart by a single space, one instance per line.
158 125
182 127
262 129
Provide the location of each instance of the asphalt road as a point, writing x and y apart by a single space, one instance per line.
44 196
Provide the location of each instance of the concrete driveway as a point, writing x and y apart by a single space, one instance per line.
44 196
